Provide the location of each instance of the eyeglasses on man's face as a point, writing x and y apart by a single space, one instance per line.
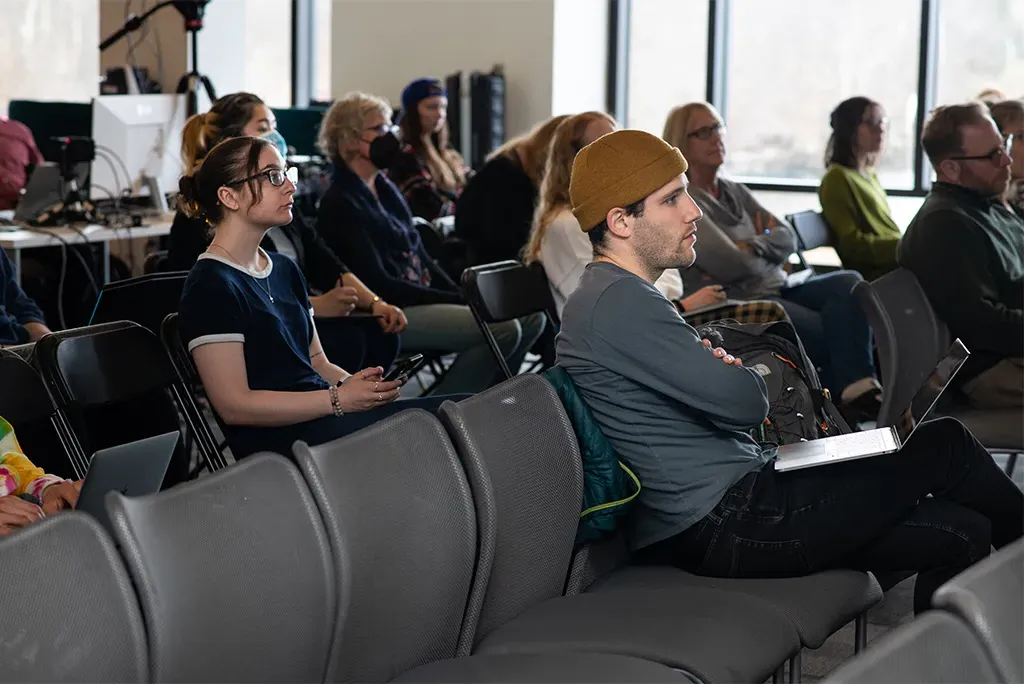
994 157
276 176
705 132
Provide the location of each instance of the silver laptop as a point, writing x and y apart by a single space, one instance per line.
134 469
883 440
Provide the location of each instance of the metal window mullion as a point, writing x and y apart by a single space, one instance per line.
926 77
618 58
302 52
718 52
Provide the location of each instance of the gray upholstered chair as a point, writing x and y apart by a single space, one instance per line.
235 575
990 597
936 648
524 469
69 613
402 526
911 339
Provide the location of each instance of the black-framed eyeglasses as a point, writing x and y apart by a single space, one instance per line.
277 177
994 157
705 132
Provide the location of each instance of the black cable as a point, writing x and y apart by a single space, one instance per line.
92 258
64 244
124 167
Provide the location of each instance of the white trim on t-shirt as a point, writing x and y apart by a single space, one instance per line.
215 339
265 273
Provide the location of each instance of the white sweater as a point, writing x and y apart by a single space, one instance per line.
565 251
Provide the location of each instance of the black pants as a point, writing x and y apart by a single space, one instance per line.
871 514
357 342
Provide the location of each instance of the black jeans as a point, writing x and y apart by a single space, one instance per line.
869 514
357 342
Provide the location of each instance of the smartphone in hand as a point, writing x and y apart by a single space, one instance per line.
405 368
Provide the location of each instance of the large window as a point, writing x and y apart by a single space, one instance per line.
790 62
667 59
981 45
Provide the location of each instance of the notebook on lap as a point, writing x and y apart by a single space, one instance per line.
134 469
883 440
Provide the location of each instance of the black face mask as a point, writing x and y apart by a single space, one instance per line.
385 150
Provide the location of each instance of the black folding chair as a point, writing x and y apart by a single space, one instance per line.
911 339
812 231
116 385
504 291
42 429
185 368
145 300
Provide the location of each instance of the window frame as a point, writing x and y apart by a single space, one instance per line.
719 12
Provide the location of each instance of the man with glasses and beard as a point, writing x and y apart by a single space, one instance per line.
967 251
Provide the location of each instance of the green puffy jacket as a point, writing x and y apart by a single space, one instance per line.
608 485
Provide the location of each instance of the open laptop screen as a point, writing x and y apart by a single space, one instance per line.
928 395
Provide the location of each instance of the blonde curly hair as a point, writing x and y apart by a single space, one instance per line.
345 122
554 189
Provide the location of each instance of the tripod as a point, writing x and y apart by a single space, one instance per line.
192 11
192 81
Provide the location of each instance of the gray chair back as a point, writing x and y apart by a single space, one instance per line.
235 575
910 337
935 648
524 468
990 597
403 530
69 613
812 230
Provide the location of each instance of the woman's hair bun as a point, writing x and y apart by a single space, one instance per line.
188 196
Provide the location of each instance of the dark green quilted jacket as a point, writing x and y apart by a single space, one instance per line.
608 485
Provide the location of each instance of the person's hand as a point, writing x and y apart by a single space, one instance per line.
61 495
745 247
719 353
15 513
340 301
367 390
705 296
392 319
764 223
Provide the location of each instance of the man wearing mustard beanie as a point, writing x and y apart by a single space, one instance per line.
679 414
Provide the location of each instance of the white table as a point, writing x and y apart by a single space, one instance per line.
15 241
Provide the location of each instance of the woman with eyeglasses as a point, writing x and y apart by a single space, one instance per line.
429 172
852 198
344 307
366 221
556 240
742 247
1009 117
246 318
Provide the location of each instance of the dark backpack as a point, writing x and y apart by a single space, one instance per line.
799 408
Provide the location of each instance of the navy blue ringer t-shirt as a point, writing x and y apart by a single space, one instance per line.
270 314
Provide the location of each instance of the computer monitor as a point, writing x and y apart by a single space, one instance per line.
143 132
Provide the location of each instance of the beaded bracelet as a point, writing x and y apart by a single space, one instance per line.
335 402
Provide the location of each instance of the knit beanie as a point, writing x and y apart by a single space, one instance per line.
421 89
619 169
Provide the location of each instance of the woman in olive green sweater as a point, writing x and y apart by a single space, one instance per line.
852 199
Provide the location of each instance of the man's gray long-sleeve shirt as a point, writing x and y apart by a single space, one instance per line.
676 414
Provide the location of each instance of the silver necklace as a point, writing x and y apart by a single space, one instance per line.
247 270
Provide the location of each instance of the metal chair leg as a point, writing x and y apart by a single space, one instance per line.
795 668
779 676
860 633
1011 463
